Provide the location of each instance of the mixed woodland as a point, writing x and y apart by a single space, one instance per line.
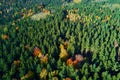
76 40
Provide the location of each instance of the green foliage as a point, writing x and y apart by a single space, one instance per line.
92 36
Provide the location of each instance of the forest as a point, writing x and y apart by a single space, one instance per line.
59 40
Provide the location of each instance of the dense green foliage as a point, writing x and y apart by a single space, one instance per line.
92 36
